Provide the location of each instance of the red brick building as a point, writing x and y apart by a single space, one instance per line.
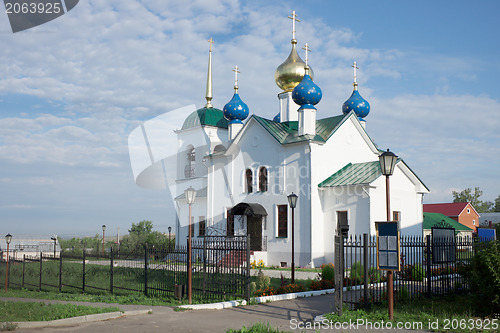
462 212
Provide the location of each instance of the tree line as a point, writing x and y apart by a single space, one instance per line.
472 196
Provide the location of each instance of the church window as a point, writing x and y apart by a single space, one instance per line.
201 226
282 220
396 216
249 180
230 224
191 159
263 179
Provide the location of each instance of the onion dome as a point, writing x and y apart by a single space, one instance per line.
235 110
290 73
356 103
277 118
307 93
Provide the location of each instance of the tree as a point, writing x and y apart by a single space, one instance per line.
497 204
473 197
142 228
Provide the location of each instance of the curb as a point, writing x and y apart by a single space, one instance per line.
262 299
79 320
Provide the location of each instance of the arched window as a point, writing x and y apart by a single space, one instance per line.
249 180
262 179
191 158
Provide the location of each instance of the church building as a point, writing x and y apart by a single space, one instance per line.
244 166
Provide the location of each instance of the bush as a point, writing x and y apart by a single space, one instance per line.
328 272
263 281
483 277
357 270
265 292
417 273
321 284
291 288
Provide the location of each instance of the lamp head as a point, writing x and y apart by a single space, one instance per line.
387 162
8 238
292 200
190 194
169 229
103 227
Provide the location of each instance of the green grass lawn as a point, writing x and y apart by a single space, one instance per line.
34 311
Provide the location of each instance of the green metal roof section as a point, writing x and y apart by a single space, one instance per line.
354 174
206 117
287 132
437 220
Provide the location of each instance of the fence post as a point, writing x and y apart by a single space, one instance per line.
111 271
247 286
428 260
40 277
60 270
83 274
24 259
204 266
146 269
365 264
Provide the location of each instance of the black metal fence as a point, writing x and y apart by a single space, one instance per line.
220 265
428 267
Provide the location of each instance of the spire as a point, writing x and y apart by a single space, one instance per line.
294 19
208 94
355 83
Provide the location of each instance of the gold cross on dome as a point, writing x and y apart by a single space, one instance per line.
236 71
306 47
294 18
211 41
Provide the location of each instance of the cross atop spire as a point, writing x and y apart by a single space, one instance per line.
355 67
236 71
294 18
211 41
306 47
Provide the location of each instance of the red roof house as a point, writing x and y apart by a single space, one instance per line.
462 212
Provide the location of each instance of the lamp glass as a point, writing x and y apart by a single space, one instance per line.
103 227
387 162
292 200
8 238
190 194
169 229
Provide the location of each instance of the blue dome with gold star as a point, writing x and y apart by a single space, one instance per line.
236 110
277 118
307 93
358 104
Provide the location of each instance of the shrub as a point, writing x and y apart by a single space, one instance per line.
374 275
417 273
328 272
321 284
253 287
291 288
263 281
483 277
357 270
265 292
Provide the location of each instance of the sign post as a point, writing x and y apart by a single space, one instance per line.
388 247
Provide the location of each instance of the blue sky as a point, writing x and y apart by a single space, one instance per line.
73 89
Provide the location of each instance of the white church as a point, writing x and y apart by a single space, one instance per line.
244 166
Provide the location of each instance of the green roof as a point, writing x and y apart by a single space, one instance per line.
206 117
353 174
437 220
287 132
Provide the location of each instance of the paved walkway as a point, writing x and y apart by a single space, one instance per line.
290 316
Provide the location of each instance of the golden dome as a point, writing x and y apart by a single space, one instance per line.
290 73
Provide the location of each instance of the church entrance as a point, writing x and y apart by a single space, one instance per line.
255 217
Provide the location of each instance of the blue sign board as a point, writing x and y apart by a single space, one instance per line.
388 246
486 234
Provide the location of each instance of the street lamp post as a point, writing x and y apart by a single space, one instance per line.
169 239
190 194
54 238
387 163
103 230
8 238
292 201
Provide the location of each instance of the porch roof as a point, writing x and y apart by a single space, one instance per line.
249 209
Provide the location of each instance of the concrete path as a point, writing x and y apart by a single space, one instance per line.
289 316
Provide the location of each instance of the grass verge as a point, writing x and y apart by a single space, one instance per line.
35 311
257 328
